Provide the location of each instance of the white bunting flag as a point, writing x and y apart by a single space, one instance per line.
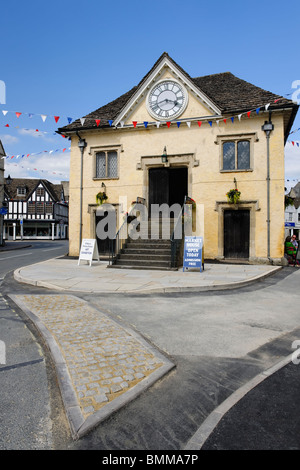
43 116
82 121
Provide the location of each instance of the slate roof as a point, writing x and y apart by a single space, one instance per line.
230 93
31 184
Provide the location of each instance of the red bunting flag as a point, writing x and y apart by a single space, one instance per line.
6 125
134 123
248 114
293 143
97 121
225 120
199 123
64 150
168 123
56 118
18 115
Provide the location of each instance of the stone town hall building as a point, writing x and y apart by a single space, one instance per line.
217 133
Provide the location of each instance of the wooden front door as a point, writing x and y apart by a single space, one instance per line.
236 233
167 186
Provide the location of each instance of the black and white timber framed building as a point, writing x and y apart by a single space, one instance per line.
37 209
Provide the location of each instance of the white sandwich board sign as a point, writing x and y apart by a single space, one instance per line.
88 251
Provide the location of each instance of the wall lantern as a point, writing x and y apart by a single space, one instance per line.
164 157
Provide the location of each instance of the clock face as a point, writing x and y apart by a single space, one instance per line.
167 100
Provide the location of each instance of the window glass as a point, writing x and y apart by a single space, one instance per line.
228 156
39 208
21 191
243 154
100 165
112 163
48 207
40 192
31 207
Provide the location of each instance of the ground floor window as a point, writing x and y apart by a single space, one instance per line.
36 230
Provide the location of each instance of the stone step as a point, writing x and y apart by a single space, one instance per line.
138 262
145 257
146 251
149 268
156 242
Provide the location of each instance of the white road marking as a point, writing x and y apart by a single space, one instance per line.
16 256
49 249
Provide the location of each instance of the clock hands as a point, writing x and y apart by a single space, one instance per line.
166 100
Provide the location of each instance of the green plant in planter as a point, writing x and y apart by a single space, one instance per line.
233 196
101 197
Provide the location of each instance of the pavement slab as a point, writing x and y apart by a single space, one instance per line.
100 364
66 274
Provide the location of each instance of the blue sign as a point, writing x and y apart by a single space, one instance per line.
192 256
289 224
3 210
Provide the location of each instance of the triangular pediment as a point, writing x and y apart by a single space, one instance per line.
136 109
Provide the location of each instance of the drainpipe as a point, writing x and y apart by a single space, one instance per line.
267 128
81 144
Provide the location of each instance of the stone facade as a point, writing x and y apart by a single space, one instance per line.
195 141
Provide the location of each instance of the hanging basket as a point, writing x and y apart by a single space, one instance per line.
233 196
101 197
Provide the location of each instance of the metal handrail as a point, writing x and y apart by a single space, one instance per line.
175 242
117 242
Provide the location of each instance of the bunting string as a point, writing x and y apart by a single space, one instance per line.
200 120
10 157
39 170
30 115
293 142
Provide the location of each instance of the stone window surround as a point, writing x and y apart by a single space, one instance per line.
220 207
148 162
92 209
221 139
105 148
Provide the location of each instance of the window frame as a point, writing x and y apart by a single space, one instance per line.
236 138
106 149
21 191
40 192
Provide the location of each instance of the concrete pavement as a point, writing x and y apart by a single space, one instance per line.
66 275
101 366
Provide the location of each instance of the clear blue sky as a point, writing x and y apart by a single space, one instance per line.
67 58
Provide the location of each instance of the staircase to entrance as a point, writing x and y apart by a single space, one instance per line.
152 250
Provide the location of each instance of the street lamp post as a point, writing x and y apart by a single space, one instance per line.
267 128
2 209
81 144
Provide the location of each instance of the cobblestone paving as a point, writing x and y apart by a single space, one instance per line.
104 360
